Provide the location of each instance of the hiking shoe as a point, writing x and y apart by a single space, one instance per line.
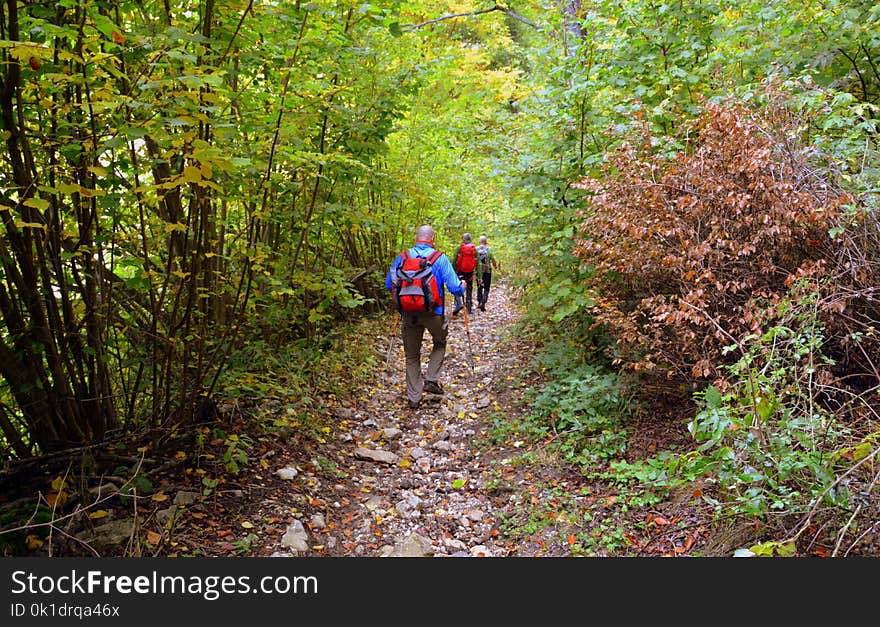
433 387
483 307
456 310
412 404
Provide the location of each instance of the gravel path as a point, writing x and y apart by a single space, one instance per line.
422 482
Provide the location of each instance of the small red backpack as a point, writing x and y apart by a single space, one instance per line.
414 287
467 258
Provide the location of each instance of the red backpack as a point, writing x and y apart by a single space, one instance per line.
467 258
414 287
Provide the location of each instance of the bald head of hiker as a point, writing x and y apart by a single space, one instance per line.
425 233
417 280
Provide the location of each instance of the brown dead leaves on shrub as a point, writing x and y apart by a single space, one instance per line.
691 254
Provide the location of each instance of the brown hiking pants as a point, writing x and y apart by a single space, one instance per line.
413 330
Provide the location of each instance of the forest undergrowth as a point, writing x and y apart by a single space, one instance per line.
557 457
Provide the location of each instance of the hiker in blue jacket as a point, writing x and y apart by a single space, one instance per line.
414 323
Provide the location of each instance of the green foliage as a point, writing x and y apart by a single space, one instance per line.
209 484
766 439
584 408
235 456
560 287
329 467
304 370
774 549
137 483
11 543
579 410
243 546
606 537
194 177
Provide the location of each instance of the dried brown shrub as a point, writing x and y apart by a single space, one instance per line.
689 253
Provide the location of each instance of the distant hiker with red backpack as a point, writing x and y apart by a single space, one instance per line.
417 280
467 265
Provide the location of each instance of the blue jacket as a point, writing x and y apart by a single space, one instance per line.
442 269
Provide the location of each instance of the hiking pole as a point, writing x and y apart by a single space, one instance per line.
391 342
467 326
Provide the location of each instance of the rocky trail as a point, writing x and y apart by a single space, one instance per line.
419 482
452 478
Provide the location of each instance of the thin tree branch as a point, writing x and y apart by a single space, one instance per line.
452 16
858 72
235 34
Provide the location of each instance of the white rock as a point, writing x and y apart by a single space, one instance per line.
480 551
386 457
454 544
391 433
374 503
288 473
296 537
414 545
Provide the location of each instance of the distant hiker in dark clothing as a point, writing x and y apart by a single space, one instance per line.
467 265
487 262
417 280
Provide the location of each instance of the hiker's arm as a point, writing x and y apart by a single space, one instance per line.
450 277
391 271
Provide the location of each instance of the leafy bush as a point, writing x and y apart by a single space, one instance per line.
582 405
688 252
770 438
743 263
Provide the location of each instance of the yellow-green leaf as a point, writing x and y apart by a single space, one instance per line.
98 513
29 225
37 203
192 174
772 549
